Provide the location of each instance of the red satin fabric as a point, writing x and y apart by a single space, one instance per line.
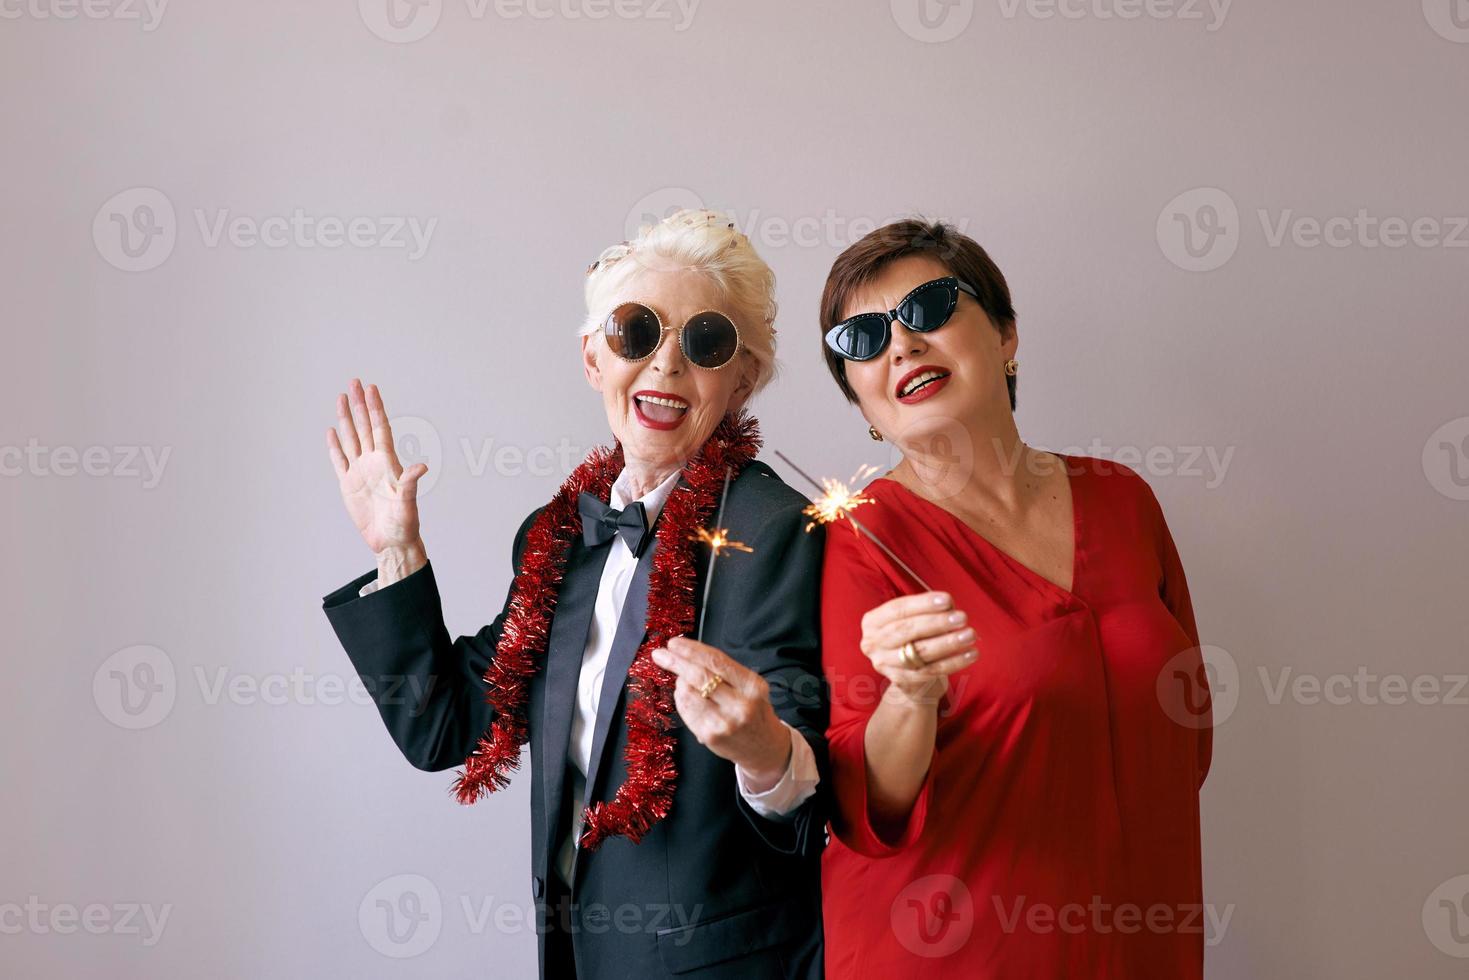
1057 833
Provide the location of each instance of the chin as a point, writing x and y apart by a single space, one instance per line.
648 444
925 419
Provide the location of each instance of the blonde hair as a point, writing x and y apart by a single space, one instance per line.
694 240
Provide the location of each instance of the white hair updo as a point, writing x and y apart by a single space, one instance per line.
694 240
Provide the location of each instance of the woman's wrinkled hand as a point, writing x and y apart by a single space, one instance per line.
380 496
736 721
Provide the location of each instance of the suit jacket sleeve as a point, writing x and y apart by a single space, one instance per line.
428 688
773 626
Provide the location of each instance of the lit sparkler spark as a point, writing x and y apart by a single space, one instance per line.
837 501
719 539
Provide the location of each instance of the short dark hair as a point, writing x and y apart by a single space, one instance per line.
863 260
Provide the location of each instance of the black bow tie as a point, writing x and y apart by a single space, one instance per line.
599 523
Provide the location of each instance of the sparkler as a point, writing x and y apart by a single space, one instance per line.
837 501
718 540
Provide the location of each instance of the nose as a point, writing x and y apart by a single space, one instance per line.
905 342
669 359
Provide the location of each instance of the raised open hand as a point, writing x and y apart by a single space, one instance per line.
380 496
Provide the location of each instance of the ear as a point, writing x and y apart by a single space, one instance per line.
742 391
1009 339
589 361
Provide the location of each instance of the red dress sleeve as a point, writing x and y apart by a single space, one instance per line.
1173 589
852 584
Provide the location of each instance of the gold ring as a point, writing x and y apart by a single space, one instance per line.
710 686
909 655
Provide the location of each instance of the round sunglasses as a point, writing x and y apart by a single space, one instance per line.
923 310
708 339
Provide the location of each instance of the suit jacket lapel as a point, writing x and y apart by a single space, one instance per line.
575 604
631 629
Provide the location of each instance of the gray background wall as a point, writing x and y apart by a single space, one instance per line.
180 738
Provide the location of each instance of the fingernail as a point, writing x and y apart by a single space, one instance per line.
940 599
972 654
967 634
957 618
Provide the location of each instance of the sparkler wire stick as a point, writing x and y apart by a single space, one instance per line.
717 542
845 510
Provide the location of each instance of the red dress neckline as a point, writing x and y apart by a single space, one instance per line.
1068 596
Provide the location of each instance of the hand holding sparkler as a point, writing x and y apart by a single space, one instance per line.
915 641
727 708
725 704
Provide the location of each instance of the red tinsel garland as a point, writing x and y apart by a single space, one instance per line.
652 774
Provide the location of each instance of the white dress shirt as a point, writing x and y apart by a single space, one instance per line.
800 778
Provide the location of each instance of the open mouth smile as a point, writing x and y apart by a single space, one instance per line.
659 409
920 383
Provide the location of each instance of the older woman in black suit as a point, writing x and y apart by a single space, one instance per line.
676 828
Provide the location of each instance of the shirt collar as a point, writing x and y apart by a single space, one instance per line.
653 500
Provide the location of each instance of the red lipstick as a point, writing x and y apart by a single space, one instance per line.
662 417
927 390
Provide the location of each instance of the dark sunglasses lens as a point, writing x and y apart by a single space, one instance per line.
863 338
632 331
710 340
929 308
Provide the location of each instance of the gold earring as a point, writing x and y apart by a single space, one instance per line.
1012 367
876 436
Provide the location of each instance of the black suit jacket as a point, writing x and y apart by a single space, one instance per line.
714 890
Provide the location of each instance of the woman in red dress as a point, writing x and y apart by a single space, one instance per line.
1016 759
